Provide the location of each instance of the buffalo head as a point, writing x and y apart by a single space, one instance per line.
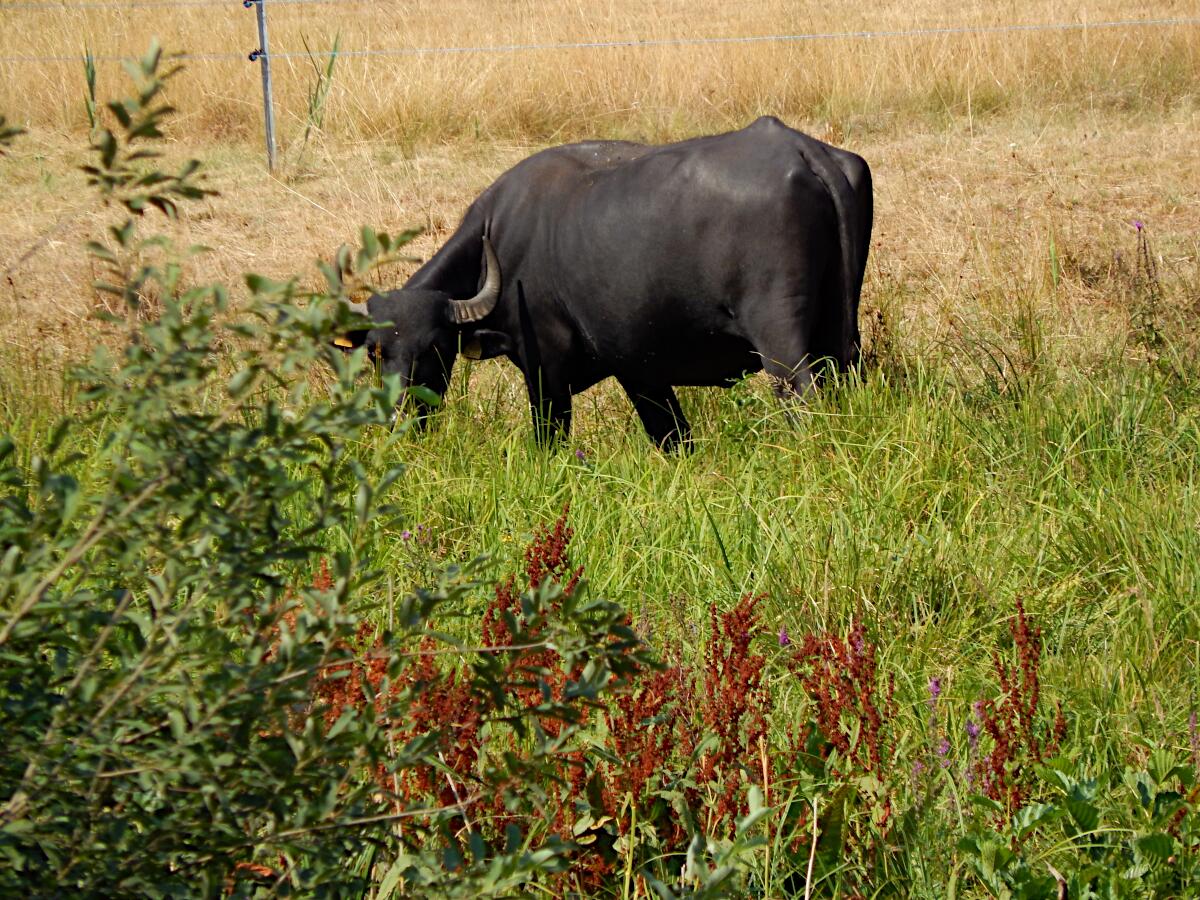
420 331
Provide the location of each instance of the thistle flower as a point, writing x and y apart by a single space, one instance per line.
405 535
1138 224
581 456
785 640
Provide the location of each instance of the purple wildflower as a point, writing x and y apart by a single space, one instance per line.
1138 224
973 734
581 456
935 691
943 751
785 640
918 767
405 535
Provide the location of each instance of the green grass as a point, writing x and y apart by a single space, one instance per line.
922 500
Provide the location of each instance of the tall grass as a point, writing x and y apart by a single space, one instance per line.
924 500
1030 428
860 85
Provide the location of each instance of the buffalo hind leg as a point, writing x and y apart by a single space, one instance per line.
782 337
661 415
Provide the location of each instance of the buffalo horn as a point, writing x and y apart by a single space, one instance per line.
466 311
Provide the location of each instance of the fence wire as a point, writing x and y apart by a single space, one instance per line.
159 4
638 42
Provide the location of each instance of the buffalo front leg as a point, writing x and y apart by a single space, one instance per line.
661 415
551 416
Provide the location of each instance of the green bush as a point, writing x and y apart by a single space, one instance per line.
165 673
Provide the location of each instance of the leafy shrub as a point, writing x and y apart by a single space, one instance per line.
179 717
1121 833
1133 833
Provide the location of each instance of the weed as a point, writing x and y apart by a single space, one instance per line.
1146 312
318 94
89 98
1020 739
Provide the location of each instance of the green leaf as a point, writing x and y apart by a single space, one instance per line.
241 382
345 720
1084 814
969 844
986 802
391 879
107 145
370 242
100 251
1030 817
362 503
757 810
121 112
424 394
260 284
1156 846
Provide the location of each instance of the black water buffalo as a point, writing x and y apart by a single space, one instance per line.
685 264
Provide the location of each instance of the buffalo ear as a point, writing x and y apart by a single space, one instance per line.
351 340
377 309
485 344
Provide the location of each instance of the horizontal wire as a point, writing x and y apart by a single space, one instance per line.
653 42
159 4
749 39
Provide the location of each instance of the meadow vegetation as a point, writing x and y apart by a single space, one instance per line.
938 637
649 93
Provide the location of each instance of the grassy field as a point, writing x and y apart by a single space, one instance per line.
654 92
1029 428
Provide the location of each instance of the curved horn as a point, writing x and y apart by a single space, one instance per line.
466 311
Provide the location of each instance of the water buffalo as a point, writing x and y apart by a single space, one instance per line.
685 264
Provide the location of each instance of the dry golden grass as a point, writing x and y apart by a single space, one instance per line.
652 92
965 221
988 151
